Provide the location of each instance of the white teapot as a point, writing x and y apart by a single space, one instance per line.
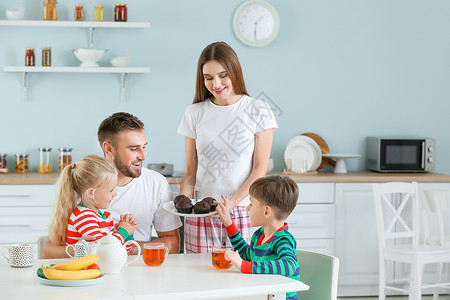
113 255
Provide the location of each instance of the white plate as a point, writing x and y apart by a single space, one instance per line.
71 282
170 207
302 148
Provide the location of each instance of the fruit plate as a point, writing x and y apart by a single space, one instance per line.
72 282
170 207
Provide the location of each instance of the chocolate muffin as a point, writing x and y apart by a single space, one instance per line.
184 206
202 207
179 198
210 201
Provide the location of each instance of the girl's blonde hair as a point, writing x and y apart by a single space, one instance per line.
90 172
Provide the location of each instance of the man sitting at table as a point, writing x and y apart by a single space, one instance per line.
140 191
272 249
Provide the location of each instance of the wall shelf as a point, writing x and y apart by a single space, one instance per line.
78 24
123 71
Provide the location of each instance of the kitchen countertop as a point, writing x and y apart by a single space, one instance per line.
353 177
181 276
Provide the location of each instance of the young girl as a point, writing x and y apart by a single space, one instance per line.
84 189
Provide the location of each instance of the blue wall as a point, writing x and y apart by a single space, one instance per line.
343 69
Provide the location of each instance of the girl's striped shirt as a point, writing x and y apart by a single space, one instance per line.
84 221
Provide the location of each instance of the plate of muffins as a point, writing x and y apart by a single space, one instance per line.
192 208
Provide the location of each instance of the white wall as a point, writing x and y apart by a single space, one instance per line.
343 69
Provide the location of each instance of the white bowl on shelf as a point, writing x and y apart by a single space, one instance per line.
89 57
121 61
15 13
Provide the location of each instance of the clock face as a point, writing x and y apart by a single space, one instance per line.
256 23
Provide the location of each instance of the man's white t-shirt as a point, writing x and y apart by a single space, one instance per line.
225 141
144 197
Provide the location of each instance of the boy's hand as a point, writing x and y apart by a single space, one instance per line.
234 257
224 211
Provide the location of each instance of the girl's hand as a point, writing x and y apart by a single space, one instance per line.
224 211
234 257
127 226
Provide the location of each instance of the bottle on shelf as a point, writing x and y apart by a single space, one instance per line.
65 157
3 164
99 14
29 57
79 13
120 13
45 165
22 163
50 10
46 56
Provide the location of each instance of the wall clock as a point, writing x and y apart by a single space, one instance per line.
256 23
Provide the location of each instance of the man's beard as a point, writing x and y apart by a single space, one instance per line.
126 170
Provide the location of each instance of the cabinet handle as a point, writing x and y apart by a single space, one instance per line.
17 196
14 226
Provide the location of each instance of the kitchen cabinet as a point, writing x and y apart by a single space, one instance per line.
25 212
312 221
357 240
68 24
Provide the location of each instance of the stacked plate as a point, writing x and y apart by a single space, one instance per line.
302 154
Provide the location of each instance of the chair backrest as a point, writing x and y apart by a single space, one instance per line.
320 272
396 208
432 205
41 243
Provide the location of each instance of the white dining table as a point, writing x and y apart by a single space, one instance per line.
181 276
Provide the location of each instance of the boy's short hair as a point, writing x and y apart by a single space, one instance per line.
278 192
114 124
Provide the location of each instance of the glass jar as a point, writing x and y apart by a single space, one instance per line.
79 13
99 15
50 10
46 56
29 57
65 157
120 13
3 164
45 166
22 163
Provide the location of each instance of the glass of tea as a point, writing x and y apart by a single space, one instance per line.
154 254
218 258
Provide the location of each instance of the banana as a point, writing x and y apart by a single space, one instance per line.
77 264
70 275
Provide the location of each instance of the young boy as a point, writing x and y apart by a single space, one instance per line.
272 249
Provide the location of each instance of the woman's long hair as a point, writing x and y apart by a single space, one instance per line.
226 56
72 186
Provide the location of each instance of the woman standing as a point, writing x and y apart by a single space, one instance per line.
228 139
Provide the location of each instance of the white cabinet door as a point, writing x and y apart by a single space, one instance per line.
25 212
356 239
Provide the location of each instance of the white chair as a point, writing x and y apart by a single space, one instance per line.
397 211
320 272
433 205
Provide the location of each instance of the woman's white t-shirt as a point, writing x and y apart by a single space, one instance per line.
225 141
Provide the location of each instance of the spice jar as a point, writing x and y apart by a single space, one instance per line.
120 13
46 56
65 157
45 165
29 57
3 164
21 163
98 15
79 13
50 11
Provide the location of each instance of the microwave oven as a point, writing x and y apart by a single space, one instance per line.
386 154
